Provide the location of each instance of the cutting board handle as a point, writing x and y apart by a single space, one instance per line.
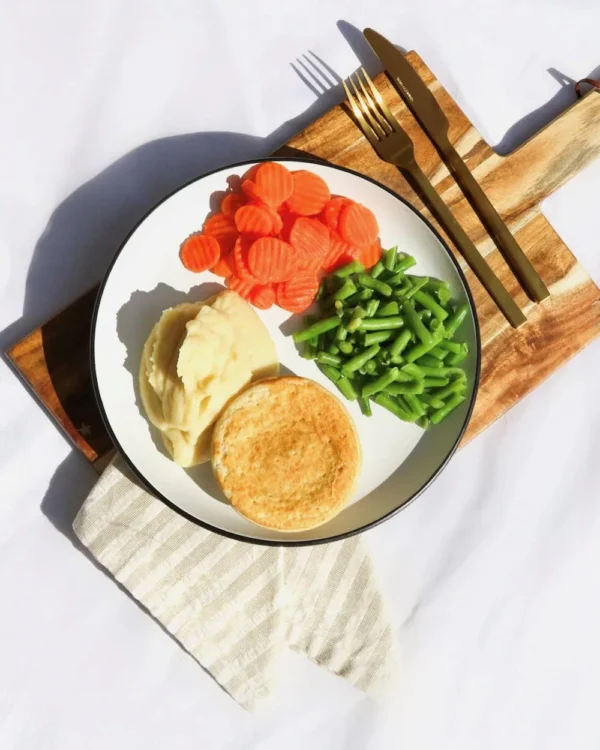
559 151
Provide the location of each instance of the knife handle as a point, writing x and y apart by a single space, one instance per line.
459 237
520 264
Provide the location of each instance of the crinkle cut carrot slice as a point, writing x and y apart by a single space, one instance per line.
199 252
370 254
223 229
310 240
240 257
310 193
243 287
263 297
225 267
358 225
333 209
253 219
274 184
231 202
297 294
340 253
270 259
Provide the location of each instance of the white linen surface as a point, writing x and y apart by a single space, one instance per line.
492 576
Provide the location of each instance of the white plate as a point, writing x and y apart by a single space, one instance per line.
147 277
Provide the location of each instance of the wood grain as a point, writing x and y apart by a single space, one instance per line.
54 359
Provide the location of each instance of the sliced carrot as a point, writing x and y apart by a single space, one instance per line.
277 221
225 267
249 189
223 229
287 220
298 293
263 297
310 240
370 254
243 287
358 225
274 184
333 209
253 219
339 253
240 258
310 194
199 252
231 202
250 173
270 259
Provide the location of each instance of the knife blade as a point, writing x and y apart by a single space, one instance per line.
417 97
424 106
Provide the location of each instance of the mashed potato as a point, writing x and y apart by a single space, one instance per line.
196 358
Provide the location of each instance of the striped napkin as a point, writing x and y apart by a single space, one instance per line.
232 605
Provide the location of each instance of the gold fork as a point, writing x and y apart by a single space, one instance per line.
393 145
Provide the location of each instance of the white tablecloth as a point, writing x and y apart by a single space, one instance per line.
492 576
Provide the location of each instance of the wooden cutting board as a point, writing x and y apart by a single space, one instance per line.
54 359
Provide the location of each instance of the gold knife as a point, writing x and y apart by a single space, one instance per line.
421 102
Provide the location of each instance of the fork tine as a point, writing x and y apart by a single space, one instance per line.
364 125
366 109
373 108
384 107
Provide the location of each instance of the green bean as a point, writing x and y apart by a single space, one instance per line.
426 300
404 263
365 406
354 324
368 282
379 324
417 325
416 283
363 295
414 371
400 343
455 320
328 359
432 382
377 269
398 389
414 404
320 292
310 350
397 279
457 386
346 290
438 352
423 422
349 269
419 350
377 337
434 401
429 361
383 358
389 258
391 405
380 383
436 326
444 296
451 346
390 308
434 285
333 349
372 307
360 359
455 359
370 367
450 405
346 347
346 388
330 372
425 315
341 333
322 326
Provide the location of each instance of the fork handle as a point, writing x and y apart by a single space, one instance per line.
520 264
467 249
